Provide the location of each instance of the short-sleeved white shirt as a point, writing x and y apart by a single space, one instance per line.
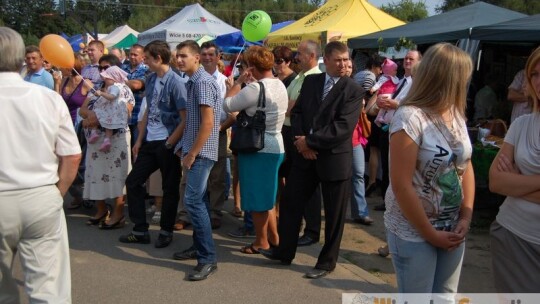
36 129
442 158
516 214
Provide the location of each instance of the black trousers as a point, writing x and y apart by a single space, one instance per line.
312 212
152 156
312 215
301 185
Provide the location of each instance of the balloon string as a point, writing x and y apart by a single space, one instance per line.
88 82
238 57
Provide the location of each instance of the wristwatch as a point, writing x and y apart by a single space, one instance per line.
168 145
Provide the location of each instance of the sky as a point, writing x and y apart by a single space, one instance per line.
430 4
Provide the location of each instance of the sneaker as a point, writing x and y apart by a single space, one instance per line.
132 238
151 209
202 271
94 136
156 218
242 233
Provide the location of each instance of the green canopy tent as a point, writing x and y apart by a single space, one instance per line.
453 25
517 30
127 42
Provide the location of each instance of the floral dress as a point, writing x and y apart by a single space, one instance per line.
106 172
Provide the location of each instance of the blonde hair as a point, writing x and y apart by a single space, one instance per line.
533 60
441 79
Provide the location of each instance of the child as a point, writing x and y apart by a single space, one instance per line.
386 86
111 106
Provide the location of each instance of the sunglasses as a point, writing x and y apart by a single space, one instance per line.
103 68
279 61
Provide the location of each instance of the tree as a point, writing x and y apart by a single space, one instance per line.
406 10
32 18
529 7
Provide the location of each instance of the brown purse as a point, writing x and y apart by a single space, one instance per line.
365 123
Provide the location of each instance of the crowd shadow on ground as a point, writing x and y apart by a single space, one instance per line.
91 239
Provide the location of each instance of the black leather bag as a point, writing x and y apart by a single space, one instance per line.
248 137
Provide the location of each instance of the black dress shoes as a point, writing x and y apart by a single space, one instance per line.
188 254
317 273
306 240
272 255
364 220
163 241
202 271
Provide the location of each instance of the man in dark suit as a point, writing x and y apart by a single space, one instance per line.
322 122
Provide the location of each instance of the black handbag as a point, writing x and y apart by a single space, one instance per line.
248 136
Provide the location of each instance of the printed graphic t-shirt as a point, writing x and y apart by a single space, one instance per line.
442 159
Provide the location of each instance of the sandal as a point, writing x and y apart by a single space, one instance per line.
119 224
249 249
95 221
237 212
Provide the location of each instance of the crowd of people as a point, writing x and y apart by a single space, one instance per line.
162 118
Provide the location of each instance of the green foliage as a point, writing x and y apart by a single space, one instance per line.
33 19
530 7
403 42
406 10
30 39
449 5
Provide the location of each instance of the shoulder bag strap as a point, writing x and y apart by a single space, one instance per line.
262 96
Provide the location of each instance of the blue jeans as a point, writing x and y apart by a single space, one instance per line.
358 199
197 209
422 268
227 178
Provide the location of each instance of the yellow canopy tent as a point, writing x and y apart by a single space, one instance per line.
335 20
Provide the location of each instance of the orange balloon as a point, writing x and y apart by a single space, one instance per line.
57 50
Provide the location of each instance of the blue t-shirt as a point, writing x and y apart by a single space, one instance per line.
41 77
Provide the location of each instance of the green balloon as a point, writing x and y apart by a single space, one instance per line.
256 26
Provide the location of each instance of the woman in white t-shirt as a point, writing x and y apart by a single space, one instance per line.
258 171
515 172
429 204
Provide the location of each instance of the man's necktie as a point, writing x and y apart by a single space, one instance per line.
403 83
327 87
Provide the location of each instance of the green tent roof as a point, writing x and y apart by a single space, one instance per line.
127 42
453 25
524 29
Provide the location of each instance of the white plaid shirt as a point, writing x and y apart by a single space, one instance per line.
202 89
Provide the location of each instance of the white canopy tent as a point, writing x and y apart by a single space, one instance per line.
192 22
118 34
